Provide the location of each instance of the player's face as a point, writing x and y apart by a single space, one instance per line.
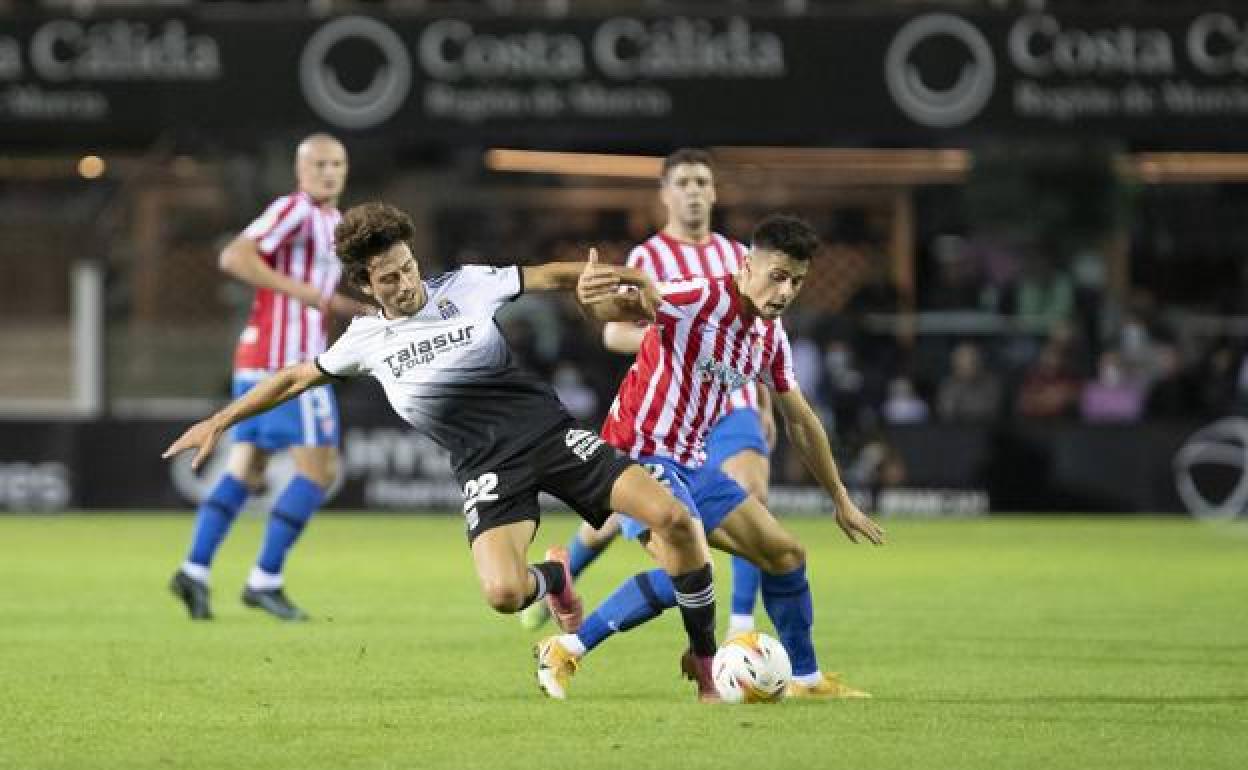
321 169
394 281
688 192
771 281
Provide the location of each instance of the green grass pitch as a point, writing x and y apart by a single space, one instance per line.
997 643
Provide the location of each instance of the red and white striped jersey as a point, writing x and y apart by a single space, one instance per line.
296 238
665 258
699 350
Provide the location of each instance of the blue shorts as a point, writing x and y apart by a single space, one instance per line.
309 420
735 432
708 493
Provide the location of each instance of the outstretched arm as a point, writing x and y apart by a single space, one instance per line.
552 276
811 441
242 259
599 292
276 389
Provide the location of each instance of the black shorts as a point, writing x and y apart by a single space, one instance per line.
572 463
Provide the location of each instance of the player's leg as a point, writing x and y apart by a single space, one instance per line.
643 596
215 515
750 531
598 480
501 513
738 447
679 545
508 583
308 428
586 545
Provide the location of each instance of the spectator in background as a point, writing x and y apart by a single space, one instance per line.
969 393
1050 388
1045 295
1113 396
878 465
903 406
1216 380
1138 332
1173 393
958 283
842 388
878 351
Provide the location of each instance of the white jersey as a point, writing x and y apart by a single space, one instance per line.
448 371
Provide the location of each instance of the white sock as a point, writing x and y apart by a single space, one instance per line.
197 571
739 624
809 680
572 643
259 580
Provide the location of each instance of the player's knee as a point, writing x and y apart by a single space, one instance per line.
254 481
672 522
782 557
505 596
322 471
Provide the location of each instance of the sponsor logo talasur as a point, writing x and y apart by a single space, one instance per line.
421 352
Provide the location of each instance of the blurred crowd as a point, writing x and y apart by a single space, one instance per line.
994 334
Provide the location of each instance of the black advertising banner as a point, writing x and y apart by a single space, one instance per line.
1178 78
50 465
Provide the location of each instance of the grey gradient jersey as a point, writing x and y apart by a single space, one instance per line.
447 370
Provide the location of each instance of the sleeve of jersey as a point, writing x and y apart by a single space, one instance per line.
343 359
488 286
780 369
681 299
278 224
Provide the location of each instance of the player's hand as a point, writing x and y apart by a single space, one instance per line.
598 282
202 436
855 523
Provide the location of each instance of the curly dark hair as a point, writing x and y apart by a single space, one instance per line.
788 235
365 231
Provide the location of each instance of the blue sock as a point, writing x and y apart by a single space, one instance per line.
788 603
581 556
214 517
745 578
298 501
640 598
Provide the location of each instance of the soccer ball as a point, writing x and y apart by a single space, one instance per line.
751 668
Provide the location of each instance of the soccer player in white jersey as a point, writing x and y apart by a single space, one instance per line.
287 254
446 369
710 337
740 442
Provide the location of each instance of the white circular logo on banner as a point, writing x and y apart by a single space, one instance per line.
951 106
1223 444
323 88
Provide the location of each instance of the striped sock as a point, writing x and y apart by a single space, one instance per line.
695 594
549 578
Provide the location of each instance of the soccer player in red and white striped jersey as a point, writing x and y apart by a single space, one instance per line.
708 338
741 439
287 254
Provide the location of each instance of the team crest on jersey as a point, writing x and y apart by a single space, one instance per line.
447 309
710 370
